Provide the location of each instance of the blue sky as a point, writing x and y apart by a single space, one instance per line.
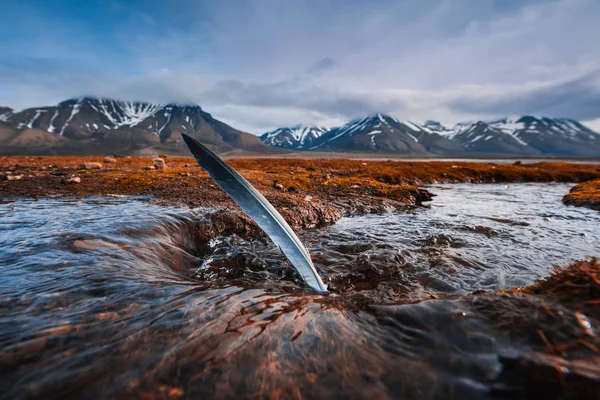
268 63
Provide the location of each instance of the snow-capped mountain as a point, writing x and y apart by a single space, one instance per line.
488 137
297 137
558 136
107 125
378 132
523 136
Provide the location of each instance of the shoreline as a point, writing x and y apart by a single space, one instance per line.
285 182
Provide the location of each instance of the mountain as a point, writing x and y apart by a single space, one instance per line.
92 125
558 136
497 137
527 136
377 133
297 137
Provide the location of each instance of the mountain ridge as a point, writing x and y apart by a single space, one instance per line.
524 136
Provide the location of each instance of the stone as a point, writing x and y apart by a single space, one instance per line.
159 163
278 185
74 179
14 177
150 167
91 165
110 160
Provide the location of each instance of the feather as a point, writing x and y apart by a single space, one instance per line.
259 209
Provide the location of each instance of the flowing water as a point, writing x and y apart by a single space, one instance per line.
121 298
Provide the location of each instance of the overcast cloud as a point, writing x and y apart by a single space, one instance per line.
261 64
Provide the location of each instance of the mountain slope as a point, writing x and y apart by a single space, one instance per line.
109 126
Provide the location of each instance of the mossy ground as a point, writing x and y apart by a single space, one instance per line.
586 194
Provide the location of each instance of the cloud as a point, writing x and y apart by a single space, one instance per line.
577 98
265 63
323 64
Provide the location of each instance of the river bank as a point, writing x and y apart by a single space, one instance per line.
307 192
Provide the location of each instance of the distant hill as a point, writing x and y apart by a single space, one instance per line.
526 136
91 125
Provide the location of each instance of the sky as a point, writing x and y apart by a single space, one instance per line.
263 64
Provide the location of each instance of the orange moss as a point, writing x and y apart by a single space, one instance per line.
184 181
585 194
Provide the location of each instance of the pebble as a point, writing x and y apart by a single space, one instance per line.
110 160
278 185
91 165
14 177
150 167
74 179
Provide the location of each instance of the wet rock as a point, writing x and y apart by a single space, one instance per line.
159 163
74 179
110 160
424 195
91 165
